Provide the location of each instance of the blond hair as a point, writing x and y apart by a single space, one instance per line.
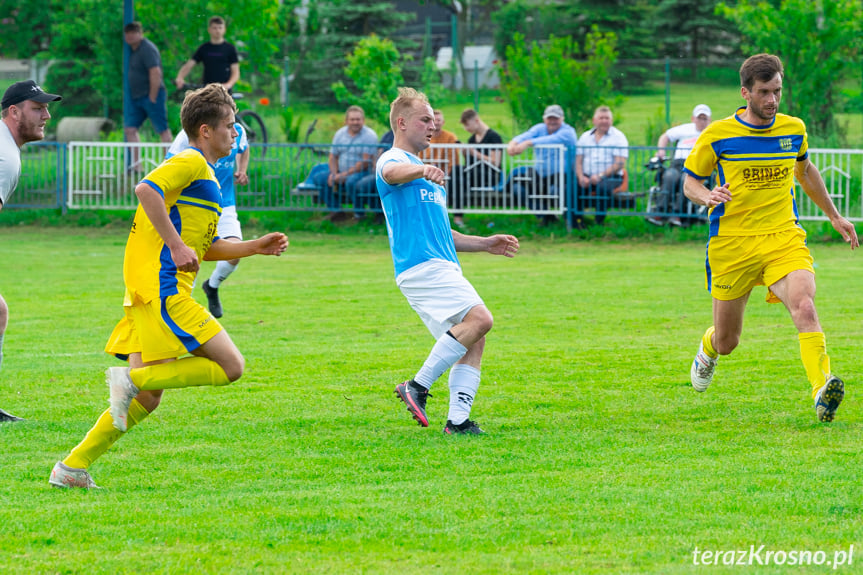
403 105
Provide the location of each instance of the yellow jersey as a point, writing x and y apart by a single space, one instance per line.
758 164
191 192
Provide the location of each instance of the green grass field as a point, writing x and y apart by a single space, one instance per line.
599 457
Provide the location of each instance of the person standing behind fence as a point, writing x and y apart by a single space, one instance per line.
219 57
600 159
755 234
427 268
482 163
684 136
148 98
230 169
547 164
354 147
22 119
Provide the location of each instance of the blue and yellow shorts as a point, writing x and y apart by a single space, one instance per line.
736 264
163 328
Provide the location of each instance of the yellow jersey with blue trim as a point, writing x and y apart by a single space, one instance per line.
757 163
191 193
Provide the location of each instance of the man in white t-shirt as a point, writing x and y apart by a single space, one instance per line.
426 266
24 113
600 158
684 135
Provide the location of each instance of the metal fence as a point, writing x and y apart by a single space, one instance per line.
483 180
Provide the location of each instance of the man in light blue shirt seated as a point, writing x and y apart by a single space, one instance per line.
354 149
600 159
548 162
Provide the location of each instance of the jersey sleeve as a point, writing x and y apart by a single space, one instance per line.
172 176
702 159
803 152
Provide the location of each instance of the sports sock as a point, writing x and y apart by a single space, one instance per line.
102 436
221 273
816 362
463 384
186 372
443 355
707 341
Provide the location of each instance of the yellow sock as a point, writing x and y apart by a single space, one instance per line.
186 372
102 436
707 341
813 352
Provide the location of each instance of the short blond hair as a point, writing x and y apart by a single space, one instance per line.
404 104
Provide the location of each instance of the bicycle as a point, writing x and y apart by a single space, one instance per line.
252 123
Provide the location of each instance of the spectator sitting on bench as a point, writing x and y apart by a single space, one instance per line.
482 163
546 168
685 135
350 159
366 189
600 158
443 158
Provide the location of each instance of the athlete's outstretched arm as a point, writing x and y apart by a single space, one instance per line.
154 206
813 184
402 172
498 244
272 244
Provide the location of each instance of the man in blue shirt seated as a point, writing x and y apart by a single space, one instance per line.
600 158
354 148
548 162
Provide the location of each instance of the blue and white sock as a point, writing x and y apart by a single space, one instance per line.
443 355
463 385
221 273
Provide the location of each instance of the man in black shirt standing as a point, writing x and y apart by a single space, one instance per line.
220 60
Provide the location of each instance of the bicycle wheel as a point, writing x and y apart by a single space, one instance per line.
256 131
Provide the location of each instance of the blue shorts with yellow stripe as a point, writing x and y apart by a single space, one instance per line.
163 328
736 264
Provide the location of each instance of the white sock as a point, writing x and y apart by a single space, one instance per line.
443 355
463 384
221 273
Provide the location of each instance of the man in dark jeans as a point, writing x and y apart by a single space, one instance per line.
481 168
220 59
600 158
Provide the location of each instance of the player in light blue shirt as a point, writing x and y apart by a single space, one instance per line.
427 269
229 170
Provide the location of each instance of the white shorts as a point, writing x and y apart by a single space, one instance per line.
229 225
439 293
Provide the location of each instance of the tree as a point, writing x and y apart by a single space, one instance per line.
819 44
551 73
332 29
374 67
693 29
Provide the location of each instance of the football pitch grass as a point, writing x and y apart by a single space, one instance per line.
599 456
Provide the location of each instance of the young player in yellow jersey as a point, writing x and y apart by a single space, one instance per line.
755 238
174 229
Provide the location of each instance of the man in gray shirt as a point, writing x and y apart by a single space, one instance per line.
354 148
22 119
147 95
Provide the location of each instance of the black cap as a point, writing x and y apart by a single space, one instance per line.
26 90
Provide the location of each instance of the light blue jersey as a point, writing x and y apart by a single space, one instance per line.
417 220
224 168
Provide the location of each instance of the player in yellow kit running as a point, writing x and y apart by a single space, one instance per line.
174 229
755 236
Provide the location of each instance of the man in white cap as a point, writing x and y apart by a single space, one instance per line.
22 119
552 130
684 136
